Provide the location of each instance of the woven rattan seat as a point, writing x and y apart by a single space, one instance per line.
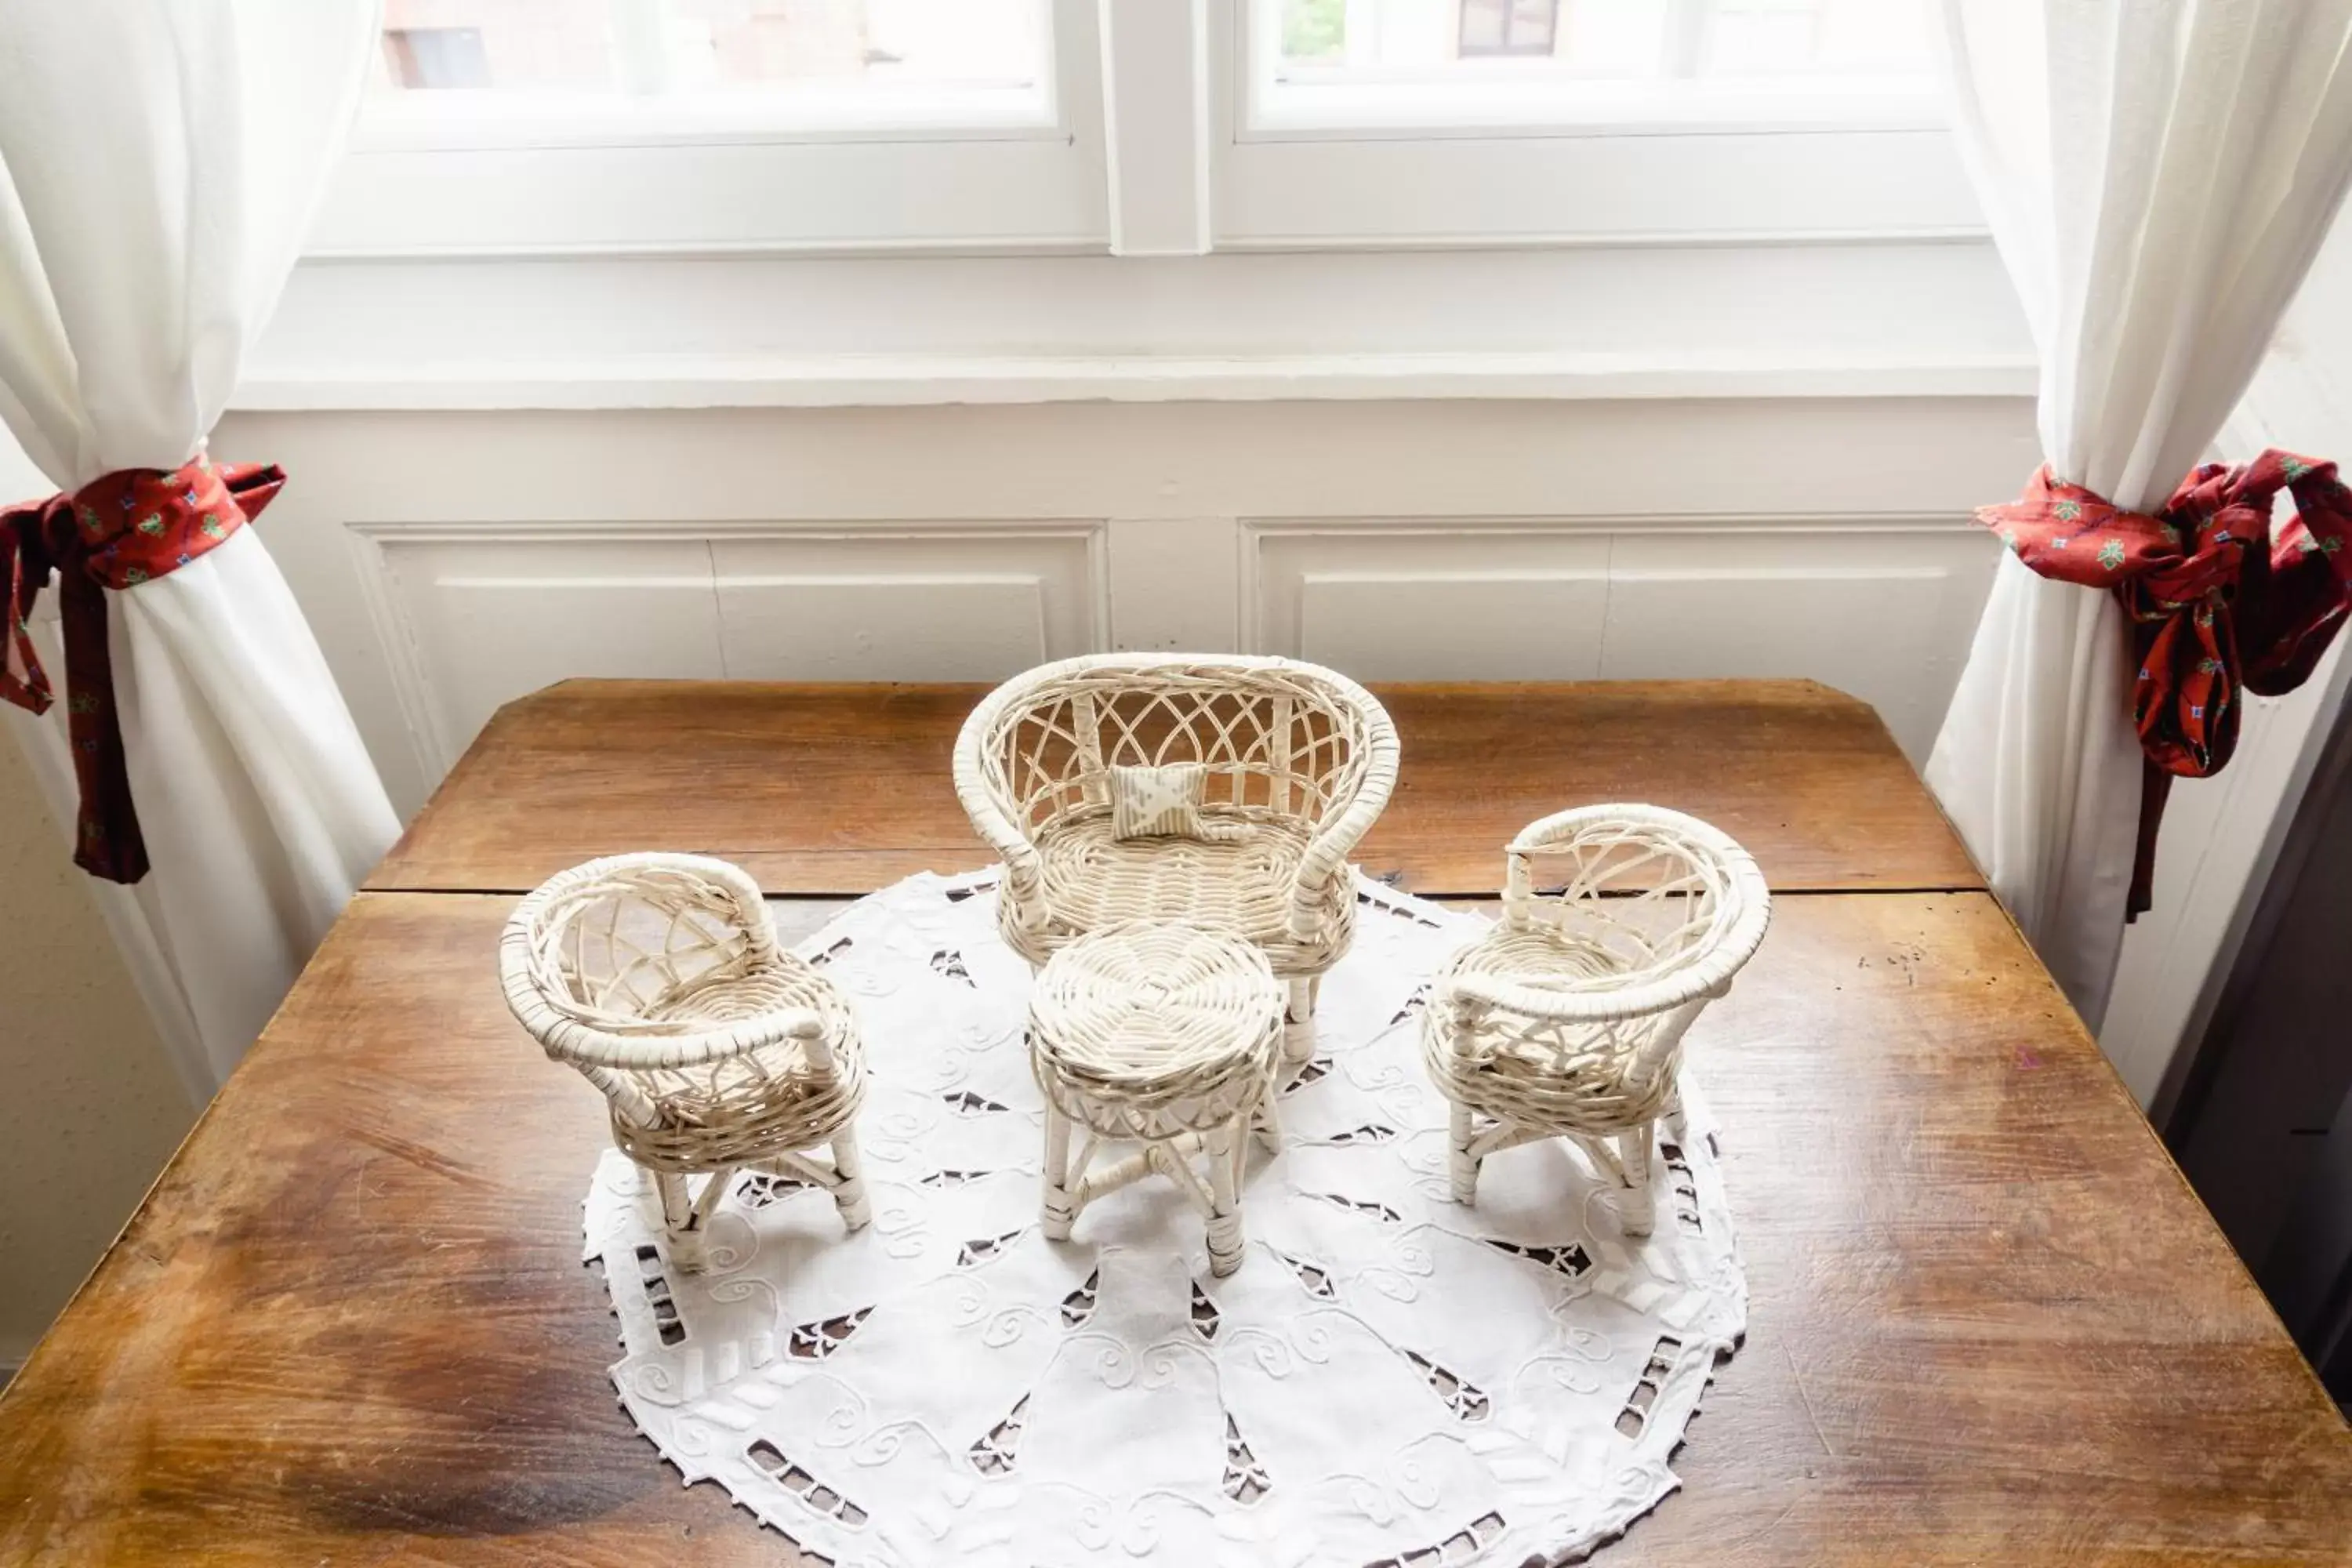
1565 1020
1243 884
658 977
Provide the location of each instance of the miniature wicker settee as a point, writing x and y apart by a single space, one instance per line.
1222 791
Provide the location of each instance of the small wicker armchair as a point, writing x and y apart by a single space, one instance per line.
1298 760
1567 1018
658 977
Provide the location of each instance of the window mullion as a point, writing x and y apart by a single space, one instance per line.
1685 41
1156 114
641 45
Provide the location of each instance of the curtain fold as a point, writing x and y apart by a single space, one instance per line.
158 160
2159 175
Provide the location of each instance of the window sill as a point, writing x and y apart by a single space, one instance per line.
854 380
1870 321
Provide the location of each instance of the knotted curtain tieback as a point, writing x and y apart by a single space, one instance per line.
2221 600
118 531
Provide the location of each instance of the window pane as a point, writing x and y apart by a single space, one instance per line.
1763 37
1336 40
702 47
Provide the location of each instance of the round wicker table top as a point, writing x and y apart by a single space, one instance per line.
1179 1023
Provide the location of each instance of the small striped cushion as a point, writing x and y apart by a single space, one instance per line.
1158 803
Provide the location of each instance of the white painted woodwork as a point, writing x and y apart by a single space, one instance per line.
451 561
1591 190
1155 137
1393 601
473 615
1885 609
1465 175
1880 320
1175 585
1155 96
881 605
471 622
711 178
1882 609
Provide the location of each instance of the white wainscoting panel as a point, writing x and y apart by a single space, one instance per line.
1884 612
1397 539
1430 604
472 620
472 615
1174 583
883 604
1882 607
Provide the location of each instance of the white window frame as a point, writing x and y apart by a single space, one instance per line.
1510 163
1164 137
962 169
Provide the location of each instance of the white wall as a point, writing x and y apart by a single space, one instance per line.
92 1108
451 561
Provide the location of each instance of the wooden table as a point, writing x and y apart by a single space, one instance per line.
1989 1324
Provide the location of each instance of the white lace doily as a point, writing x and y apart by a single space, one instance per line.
1391 1379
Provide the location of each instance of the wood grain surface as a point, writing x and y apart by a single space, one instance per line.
1989 1323
843 789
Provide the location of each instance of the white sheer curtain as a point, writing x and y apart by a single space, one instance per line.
158 162
2158 174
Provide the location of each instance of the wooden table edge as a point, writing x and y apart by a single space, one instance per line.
389 874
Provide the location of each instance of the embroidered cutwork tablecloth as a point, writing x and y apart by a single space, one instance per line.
1389 1379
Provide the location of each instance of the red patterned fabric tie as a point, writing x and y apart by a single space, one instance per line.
2219 597
117 532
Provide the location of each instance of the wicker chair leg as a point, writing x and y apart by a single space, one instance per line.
1225 1147
850 1187
1059 1215
1266 1122
675 1205
1298 1029
1462 1165
1641 1206
678 1222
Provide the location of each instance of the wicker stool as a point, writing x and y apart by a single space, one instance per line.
658 977
1164 1035
1567 1018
